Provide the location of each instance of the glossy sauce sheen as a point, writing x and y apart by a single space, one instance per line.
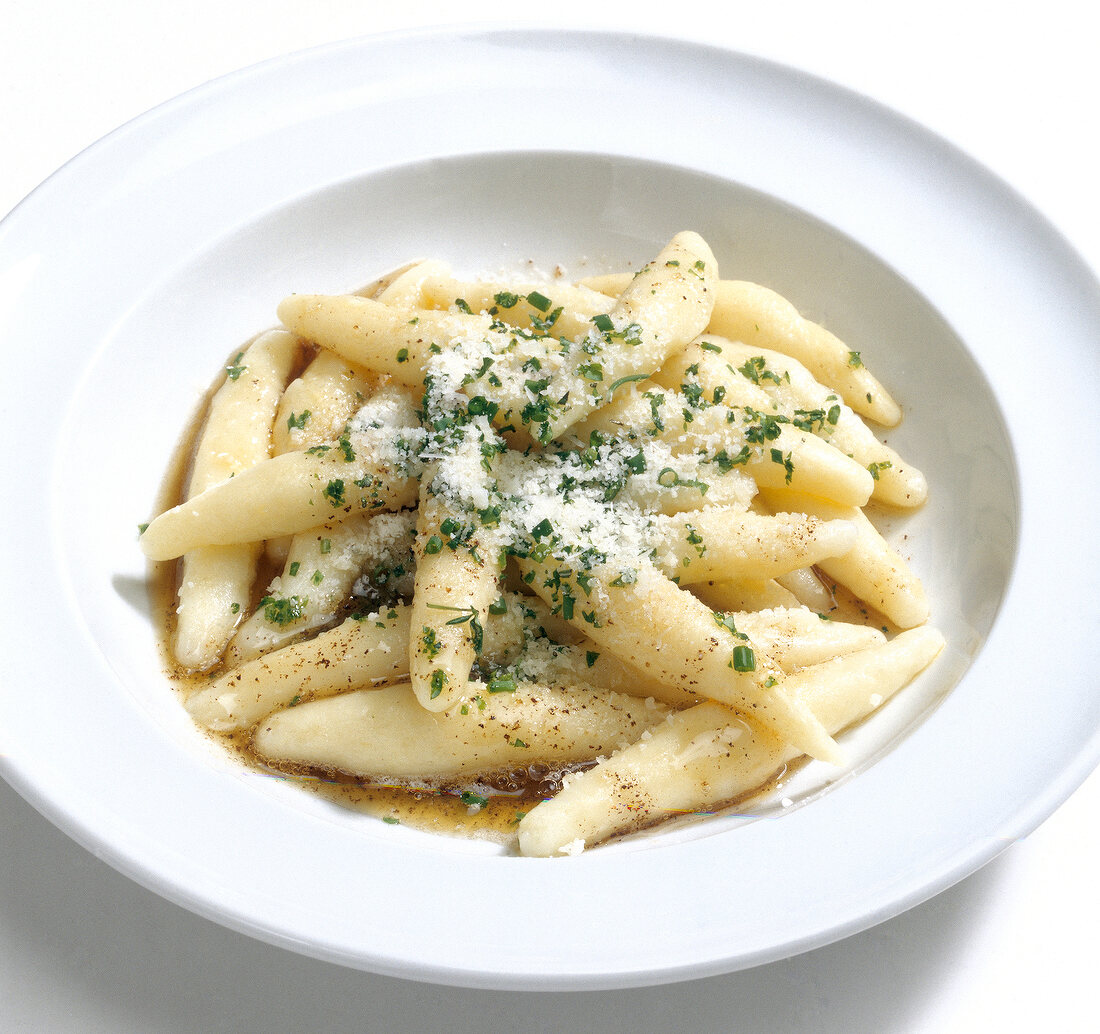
436 810
491 809
439 810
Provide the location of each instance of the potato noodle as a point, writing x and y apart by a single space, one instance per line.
592 555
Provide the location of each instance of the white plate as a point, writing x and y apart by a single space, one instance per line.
129 276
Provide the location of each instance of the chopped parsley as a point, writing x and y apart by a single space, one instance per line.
756 370
297 422
334 492
436 683
430 641
235 369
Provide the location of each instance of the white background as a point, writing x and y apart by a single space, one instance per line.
1009 949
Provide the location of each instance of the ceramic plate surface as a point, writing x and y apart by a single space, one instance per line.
129 276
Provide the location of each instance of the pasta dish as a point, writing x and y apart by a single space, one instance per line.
587 556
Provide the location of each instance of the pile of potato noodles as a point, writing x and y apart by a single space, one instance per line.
600 527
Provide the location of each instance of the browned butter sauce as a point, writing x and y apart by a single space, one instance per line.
491 810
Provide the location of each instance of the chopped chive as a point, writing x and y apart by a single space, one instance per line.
539 301
503 683
283 610
627 380
743 659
